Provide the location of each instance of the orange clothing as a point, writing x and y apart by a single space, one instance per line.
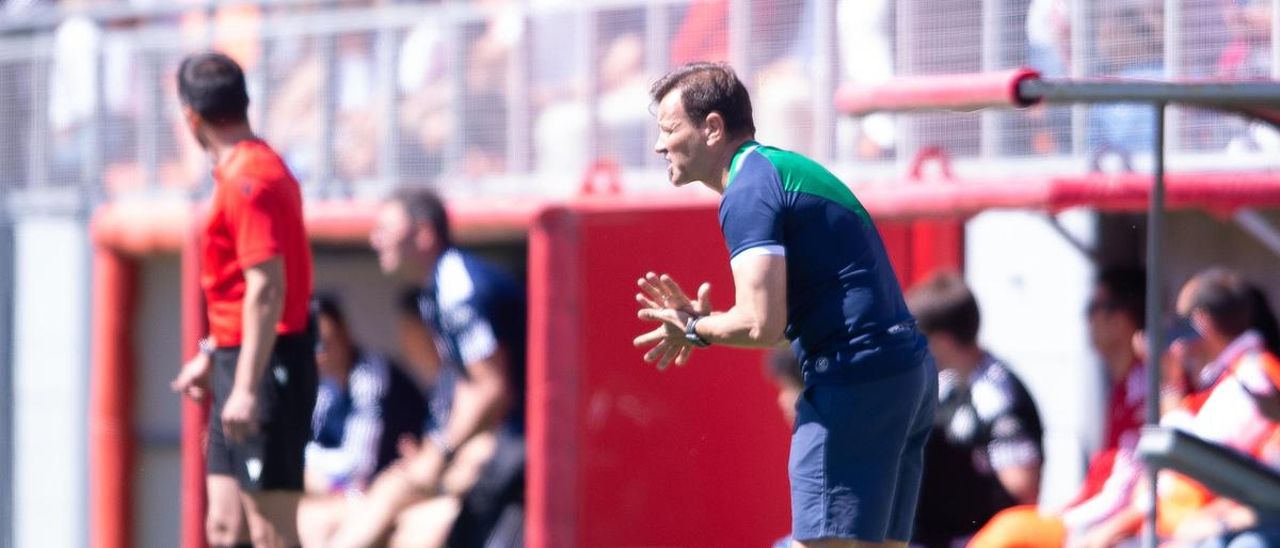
1021 527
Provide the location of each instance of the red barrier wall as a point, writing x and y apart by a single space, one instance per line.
621 454
111 432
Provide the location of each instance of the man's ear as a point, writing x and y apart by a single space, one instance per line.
194 121
713 129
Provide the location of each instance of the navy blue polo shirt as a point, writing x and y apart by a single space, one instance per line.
843 299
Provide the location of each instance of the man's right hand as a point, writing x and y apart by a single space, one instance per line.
193 380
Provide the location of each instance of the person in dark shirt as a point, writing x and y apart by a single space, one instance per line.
809 267
470 462
986 449
365 405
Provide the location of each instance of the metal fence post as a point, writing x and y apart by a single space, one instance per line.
1155 308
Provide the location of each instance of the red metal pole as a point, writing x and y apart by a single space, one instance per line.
111 433
195 416
935 92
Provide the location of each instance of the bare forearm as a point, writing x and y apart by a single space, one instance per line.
263 305
737 327
476 406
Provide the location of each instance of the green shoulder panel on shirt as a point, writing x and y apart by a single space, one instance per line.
800 174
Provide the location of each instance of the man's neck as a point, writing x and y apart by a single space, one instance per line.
967 360
726 162
429 263
222 140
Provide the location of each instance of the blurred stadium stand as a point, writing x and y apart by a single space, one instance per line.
516 98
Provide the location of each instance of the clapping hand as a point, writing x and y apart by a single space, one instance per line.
661 299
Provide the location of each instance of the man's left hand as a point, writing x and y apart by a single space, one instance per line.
662 299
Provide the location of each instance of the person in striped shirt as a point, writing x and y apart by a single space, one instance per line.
365 404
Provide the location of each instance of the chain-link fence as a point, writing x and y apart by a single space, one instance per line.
521 98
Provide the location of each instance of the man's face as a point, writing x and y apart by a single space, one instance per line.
681 142
329 348
392 239
1108 327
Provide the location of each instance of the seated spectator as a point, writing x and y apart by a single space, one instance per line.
1115 316
985 452
463 484
1226 523
1129 36
1238 411
364 406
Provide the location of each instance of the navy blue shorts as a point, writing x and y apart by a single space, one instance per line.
857 453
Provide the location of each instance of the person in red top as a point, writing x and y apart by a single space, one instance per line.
258 360
1115 314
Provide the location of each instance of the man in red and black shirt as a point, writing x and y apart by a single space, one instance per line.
256 276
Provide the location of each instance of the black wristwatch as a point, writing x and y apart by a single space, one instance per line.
691 333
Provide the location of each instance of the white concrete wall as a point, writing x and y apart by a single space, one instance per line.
50 360
157 474
1032 287
366 294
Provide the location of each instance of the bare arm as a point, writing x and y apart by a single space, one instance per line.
480 400
757 319
759 313
421 358
263 305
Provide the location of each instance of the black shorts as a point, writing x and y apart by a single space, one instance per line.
270 459
491 510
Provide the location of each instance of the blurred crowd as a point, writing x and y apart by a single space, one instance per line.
554 90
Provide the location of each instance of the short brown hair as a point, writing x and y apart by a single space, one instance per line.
707 88
944 304
213 85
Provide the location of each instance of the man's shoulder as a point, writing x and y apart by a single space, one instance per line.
788 161
464 278
255 165
996 389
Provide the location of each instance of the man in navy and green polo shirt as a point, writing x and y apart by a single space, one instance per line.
808 265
